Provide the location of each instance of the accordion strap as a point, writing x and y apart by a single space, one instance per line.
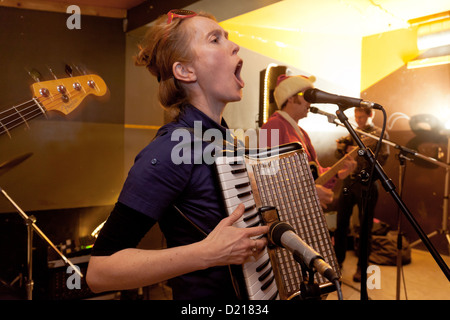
233 278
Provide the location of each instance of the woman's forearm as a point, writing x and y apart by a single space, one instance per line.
134 268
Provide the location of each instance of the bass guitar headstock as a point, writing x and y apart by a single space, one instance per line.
66 94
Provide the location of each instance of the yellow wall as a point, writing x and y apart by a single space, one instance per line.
333 59
383 53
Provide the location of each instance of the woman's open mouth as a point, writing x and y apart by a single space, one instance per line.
237 74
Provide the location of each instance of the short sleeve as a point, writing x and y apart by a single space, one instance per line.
156 180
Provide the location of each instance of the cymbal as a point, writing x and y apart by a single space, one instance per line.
8 165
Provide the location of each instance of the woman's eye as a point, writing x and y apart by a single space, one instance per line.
215 39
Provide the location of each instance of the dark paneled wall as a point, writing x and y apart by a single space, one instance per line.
76 170
77 158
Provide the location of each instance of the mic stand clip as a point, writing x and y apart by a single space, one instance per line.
309 289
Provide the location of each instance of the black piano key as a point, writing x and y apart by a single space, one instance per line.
275 295
262 265
247 209
244 194
268 283
254 224
238 171
242 185
264 275
250 217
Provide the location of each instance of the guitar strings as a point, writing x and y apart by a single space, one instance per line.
57 96
23 118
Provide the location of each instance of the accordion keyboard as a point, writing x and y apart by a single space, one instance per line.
236 189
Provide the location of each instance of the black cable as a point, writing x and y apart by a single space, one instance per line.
338 288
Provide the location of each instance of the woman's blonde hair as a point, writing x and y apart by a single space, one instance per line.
163 45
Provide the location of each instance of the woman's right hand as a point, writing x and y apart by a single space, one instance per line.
228 244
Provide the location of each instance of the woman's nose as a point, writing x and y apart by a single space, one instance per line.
235 47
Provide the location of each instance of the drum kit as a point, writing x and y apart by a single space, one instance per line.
30 222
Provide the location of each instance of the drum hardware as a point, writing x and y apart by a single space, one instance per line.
30 222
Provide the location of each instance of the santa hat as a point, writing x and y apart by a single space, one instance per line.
287 86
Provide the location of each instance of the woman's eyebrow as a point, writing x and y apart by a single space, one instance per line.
216 31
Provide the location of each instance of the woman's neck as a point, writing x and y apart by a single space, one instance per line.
214 111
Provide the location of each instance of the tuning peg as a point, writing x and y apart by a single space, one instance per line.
35 75
69 70
53 74
81 70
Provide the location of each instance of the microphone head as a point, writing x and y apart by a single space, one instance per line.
276 231
310 95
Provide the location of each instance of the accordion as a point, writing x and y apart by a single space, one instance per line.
277 177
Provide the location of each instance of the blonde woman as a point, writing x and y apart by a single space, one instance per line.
198 70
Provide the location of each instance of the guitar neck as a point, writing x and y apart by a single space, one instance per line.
330 173
62 95
20 114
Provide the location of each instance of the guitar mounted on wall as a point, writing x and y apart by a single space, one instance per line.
63 95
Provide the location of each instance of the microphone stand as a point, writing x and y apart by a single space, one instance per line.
401 177
387 184
30 222
402 166
309 289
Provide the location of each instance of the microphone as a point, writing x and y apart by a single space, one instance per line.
331 117
283 235
318 96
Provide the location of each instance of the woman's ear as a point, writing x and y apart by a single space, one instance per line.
184 72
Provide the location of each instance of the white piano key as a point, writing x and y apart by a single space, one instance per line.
269 292
230 193
240 223
249 203
256 293
250 267
234 202
226 176
256 274
264 294
231 184
226 160
253 289
230 167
